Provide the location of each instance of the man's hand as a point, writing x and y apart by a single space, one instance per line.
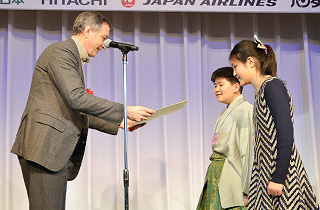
139 113
130 126
274 189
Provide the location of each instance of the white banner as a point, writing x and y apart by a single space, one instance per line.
256 6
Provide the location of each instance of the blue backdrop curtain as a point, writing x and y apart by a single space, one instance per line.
168 158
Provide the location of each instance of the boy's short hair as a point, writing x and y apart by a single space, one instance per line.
227 73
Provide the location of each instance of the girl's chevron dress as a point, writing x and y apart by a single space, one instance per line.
297 193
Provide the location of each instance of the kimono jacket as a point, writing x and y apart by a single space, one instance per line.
234 137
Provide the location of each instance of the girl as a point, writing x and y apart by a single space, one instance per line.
279 180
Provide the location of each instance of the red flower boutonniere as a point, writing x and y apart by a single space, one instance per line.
89 91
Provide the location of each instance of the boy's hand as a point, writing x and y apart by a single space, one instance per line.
245 200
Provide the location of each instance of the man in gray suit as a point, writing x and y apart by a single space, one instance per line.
52 134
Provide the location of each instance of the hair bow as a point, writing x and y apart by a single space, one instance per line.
260 44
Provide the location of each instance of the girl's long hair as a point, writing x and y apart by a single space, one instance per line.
266 58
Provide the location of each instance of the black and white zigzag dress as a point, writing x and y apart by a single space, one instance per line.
276 157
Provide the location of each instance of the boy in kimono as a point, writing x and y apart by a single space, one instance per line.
228 176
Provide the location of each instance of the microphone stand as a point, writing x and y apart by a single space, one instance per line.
124 49
125 171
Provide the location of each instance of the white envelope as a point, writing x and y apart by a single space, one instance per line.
164 111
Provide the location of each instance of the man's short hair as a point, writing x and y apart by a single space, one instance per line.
94 19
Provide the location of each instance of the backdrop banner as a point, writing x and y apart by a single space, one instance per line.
256 6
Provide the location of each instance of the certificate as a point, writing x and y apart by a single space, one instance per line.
164 111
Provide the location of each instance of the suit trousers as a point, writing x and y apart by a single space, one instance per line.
46 189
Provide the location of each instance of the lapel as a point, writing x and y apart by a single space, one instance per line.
77 54
227 111
81 72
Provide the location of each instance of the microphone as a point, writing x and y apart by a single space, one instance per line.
121 46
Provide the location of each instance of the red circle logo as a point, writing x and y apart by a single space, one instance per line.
128 3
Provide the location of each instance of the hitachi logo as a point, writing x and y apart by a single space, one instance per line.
75 2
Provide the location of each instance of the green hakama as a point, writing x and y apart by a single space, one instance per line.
210 198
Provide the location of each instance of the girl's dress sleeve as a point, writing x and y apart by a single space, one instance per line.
278 101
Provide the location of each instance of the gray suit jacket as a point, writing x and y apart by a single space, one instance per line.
59 111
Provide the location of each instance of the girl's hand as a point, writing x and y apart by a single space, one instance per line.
274 189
